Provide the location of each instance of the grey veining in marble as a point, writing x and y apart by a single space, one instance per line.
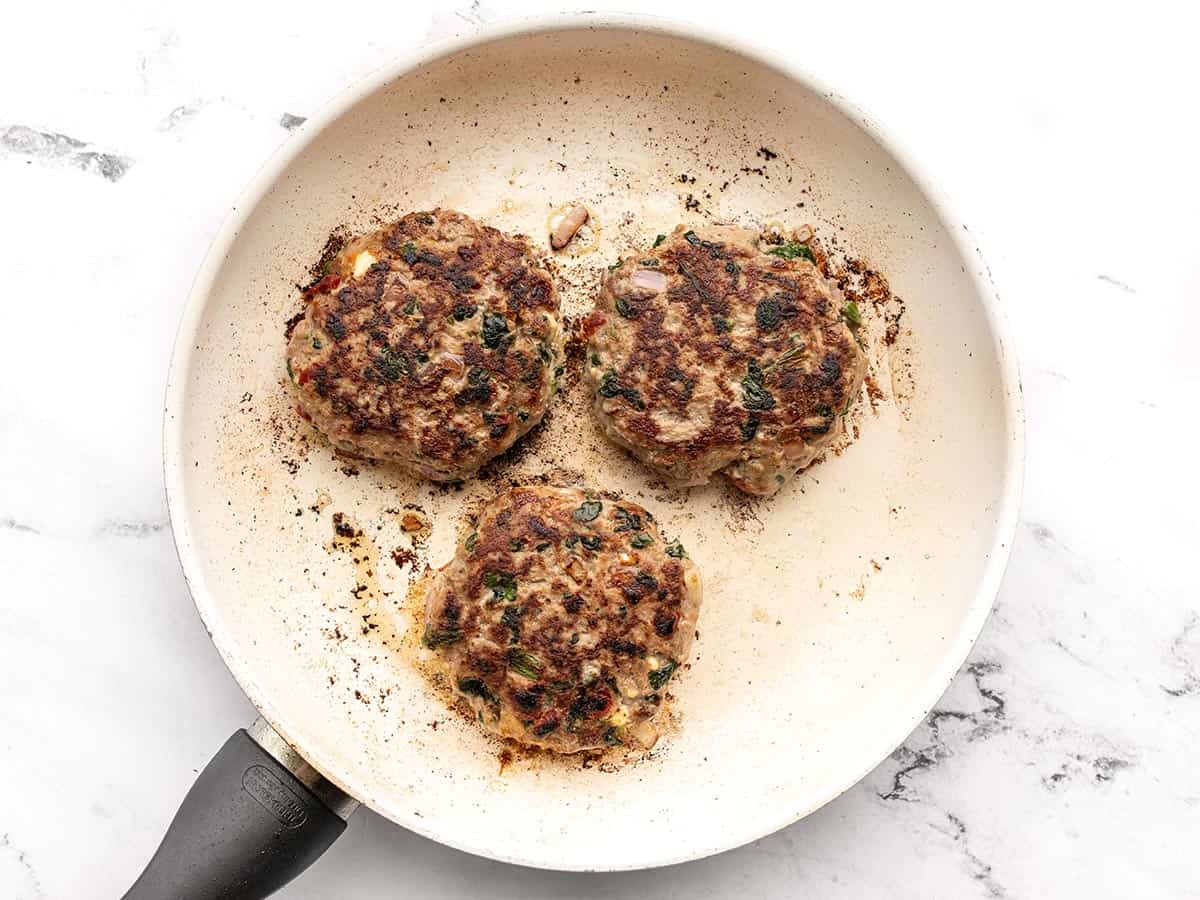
48 147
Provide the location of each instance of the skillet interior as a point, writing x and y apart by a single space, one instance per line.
812 664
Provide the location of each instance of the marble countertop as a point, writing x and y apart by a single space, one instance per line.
1062 761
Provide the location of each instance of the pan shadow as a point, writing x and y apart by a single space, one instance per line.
376 855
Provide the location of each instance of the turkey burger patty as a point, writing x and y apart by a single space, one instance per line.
709 353
562 618
432 343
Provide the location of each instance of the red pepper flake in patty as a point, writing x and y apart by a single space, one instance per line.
664 621
327 284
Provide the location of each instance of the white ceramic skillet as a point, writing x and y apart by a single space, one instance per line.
835 614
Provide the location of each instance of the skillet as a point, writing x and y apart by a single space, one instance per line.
835 614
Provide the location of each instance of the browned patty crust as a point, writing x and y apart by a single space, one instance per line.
432 342
562 618
709 353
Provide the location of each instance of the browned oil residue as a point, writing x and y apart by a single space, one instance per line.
608 760
882 332
287 432
741 509
414 522
371 606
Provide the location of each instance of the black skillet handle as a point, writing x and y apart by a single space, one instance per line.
247 827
